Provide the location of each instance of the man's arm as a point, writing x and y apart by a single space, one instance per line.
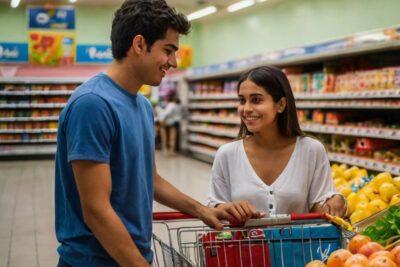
94 185
166 194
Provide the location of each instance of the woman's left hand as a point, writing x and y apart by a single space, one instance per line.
336 206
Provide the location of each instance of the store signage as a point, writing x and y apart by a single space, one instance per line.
52 48
60 17
93 54
13 52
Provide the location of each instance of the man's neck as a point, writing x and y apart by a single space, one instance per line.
123 75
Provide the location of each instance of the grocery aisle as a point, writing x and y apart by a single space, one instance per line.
27 209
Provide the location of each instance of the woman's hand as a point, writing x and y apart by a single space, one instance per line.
336 206
240 210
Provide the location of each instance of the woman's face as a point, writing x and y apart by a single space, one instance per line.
256 107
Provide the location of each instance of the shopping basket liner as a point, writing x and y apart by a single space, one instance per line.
289 245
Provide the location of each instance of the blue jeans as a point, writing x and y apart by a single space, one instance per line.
62 263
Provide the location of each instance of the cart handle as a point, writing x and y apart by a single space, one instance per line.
171 215
174 215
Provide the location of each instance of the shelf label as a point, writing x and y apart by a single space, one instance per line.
13 52
93 54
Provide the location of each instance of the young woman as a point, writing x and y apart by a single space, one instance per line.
273 168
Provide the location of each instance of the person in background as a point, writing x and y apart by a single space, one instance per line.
273 167
170 118
105 172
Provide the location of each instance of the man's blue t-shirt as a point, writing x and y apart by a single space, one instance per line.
102 122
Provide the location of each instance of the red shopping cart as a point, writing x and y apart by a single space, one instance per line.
288 240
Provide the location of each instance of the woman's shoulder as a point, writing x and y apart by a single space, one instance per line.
311 143
230 147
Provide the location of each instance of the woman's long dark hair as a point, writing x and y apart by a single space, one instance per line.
275 83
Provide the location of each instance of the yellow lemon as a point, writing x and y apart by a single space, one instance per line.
362 196
377 205
396 182
369 192
343 167
383 177
361 205
351 203
339 181
387 190
359 215
346 190
395 199
361 173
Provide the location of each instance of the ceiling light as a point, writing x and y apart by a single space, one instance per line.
260 1
239 5
14 3
73 1
202 12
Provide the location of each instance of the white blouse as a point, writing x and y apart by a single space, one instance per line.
305 180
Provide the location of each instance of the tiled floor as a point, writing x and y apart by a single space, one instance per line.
27 236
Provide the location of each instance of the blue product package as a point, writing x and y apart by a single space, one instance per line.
297 244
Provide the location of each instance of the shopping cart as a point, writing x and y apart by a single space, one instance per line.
180 241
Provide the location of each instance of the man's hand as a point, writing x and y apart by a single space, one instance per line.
336 206
240 211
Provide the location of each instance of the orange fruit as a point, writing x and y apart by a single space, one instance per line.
370 248
356 260
357 242
381 253
316 263
338 258
381 261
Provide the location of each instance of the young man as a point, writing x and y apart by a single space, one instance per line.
106 177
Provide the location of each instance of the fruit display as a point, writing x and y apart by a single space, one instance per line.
362 252
366 195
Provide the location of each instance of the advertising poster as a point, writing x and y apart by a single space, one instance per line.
51 18
52 48
184 56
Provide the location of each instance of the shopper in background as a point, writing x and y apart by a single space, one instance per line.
170 118
105 176
273 167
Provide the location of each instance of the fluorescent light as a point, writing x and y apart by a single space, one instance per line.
73 1
202 12
260 1
239 5
14 3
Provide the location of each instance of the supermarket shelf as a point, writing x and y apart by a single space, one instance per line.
16 106
365 163
352 104
28 141
369 94
27 119
206 140
375 94
225 70
213 131
24 150
35 93
215 119
43 80
212 105
28 131
384 133
213 97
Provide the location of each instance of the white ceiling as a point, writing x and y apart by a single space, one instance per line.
185 6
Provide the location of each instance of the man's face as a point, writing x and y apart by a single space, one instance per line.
160 58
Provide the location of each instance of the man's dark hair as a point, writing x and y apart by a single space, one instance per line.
149 18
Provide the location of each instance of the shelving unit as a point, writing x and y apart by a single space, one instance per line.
29 109
212 104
